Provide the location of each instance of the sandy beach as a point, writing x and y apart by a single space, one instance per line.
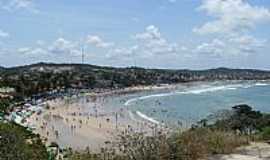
71 126
80 122
91 120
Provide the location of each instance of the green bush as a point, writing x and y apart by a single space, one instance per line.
17 143
201 142
265 133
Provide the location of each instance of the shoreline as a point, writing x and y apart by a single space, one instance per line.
95 130
130 90
142 88
75 122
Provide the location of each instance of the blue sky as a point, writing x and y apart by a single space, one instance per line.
194 34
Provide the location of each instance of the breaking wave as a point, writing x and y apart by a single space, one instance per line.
150 119
128 102
204 89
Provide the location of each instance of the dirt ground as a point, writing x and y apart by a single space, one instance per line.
255 151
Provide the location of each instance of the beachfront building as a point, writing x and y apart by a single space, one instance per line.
19 116
6 92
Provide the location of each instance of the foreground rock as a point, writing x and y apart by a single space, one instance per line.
255 151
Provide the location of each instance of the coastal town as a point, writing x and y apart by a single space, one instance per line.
134 80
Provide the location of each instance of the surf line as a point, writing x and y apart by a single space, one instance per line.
196 91
150 119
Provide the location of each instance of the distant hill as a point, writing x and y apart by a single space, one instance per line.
53 67
2 68
41 77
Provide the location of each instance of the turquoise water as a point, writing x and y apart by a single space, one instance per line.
189 104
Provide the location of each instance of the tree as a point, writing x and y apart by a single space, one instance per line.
4 104
245 119
18 143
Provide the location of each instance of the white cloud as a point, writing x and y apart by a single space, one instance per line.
59 47
148 44
151 32
24 50
13 5
32 51
3 34
123 52
184 48
98 42
63 46
231 16
247 40
248 44
151 42
235 46
39 51
233 21
214 48
40 42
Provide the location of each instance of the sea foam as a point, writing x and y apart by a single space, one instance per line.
262 84
204 89
128 102
201 90
147 118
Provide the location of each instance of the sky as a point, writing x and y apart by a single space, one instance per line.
177 34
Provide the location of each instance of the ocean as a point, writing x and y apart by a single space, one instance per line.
190 103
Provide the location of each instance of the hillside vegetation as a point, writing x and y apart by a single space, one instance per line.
17 143
41 77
